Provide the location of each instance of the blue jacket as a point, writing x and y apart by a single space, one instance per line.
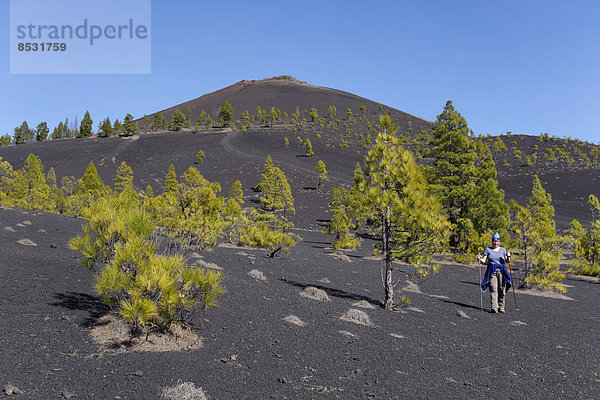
491 269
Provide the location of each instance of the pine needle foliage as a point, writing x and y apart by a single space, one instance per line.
178 121
146 288
225 114
190 211
322 171
392 201
275 189
463 176
586 242
124 178
540 245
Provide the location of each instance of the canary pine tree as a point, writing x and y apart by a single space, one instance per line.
147 288
105 129
393 201
6 140
89 188
85 129
28 187
276 191
225 114
236 193
586 242
117 126
322 171
159 123
200 157
192 212
7 176
171 183
267 173
541 246
129 125
341 221
124 178
463 175
308 147
178 121
41 132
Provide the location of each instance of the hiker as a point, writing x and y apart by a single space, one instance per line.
497 277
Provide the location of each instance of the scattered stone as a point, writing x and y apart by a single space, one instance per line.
11 389
411 287
242 253
138 373
53 245
26 222
462 314
415 309
256 274
68 395
187 391
292 319
324 280
314 293
364 304
396 336
26 242
518 323
350 334
338 255
203 264
282 380
357 317
9 229
41 230
20 225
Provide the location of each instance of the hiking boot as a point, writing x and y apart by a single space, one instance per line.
501 310
494 311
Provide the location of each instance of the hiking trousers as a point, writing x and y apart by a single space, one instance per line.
497 291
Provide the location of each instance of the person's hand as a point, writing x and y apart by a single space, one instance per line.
479 257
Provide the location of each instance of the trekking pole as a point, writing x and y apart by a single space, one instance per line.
513 285
480 292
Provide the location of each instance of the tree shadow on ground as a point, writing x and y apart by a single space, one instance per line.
255 201
365 235
323 222
335 292
318 245
94 306
463 305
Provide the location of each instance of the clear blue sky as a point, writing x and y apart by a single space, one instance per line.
522 66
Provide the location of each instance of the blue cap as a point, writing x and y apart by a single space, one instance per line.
496 236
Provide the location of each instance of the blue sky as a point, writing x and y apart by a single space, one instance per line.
520 66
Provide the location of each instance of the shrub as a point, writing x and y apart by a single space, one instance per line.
146 288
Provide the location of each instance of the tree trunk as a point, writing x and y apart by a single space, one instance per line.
387 250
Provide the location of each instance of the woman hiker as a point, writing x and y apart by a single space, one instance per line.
496 277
